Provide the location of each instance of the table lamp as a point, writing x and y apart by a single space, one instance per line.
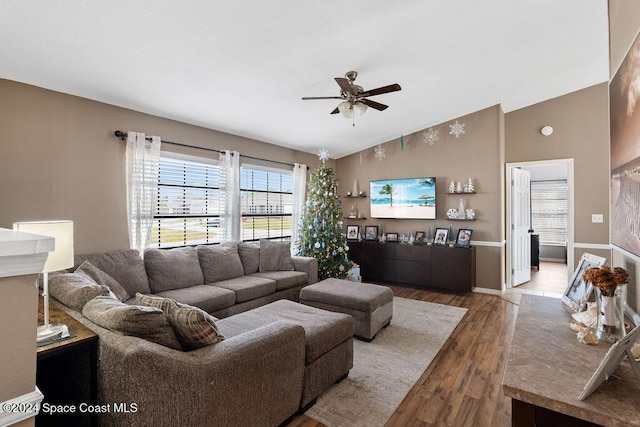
59 259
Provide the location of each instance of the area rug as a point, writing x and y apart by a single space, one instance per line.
385 369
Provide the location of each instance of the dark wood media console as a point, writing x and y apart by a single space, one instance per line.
425 266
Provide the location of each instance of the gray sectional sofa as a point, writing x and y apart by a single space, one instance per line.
276 356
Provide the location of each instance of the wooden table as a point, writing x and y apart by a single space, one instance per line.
67 371
548 368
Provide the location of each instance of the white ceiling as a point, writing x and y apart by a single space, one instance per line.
242 66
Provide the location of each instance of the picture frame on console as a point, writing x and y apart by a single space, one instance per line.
464 238
440 237
370 232
578 291
418 239
353 231
392 237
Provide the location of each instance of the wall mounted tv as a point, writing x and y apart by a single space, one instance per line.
407 198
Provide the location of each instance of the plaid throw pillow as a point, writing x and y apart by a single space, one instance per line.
194 327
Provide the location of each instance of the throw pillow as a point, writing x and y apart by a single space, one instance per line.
139 321
90 271
172 268
194 327
124 265
275 256
250 257
74 290
220 262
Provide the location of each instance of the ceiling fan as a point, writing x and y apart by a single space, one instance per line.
354 97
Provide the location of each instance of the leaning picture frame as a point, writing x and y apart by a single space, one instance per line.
353 231
370 232
464 238
418 239
440 237
391 237
578 291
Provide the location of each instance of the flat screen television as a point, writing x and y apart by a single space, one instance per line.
406 198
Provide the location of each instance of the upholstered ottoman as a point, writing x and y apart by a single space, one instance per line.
328 341
370 305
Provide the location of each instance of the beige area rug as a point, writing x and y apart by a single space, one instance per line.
385 369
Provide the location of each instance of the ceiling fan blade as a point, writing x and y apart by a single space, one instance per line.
384 89
305 98
374 104
344 84
335 111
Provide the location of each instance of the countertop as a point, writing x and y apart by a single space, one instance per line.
548 367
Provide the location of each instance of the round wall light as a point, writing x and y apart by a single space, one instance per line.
546 130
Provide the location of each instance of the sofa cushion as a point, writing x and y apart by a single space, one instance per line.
124 265
194 327
220 262
74 290
139 321
208 298
250 256
323 330
275 256
284 279
172 268
247 287
92 272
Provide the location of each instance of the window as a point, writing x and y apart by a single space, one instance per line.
188 202
266 200
549 208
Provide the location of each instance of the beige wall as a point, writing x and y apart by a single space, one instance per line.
18 317
581 131
624 25
476 154
60 160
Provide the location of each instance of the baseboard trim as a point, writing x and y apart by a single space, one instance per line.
488 291
26 401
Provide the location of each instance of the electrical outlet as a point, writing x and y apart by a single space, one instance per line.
597 218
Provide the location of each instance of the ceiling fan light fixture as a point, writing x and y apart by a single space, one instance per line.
347 109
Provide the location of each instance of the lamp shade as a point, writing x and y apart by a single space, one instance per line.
62 231
347 109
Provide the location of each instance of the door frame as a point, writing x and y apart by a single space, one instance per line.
570 212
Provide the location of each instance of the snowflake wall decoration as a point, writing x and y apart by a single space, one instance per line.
431 136
379 152
323 155
456 129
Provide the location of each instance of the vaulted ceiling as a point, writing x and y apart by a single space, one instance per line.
242 66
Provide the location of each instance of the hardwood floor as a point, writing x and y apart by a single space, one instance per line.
462 386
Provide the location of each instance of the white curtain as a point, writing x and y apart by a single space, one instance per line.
299 197
230 211
143 159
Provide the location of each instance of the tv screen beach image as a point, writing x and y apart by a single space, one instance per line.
411 198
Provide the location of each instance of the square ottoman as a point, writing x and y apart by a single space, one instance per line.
370 305
328 341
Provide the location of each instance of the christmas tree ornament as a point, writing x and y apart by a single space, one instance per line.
452 187
459 187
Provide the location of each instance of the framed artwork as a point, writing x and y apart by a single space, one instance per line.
464 238
578 291
392 237
370 232
615 355
418 239
440 237
352 232
624 110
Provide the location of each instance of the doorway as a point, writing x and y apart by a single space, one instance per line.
550 270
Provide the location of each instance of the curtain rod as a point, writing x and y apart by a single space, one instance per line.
123 135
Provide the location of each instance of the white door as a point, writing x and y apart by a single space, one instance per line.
521 225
